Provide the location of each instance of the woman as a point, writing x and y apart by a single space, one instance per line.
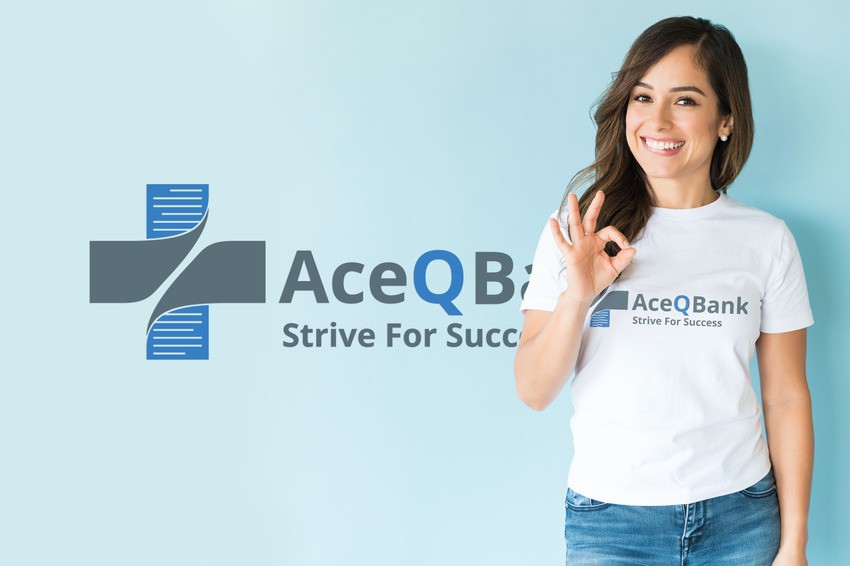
659 313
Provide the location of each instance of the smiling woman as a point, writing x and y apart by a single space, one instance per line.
670 463
716 66
672 134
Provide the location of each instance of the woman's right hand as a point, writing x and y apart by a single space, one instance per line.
589 268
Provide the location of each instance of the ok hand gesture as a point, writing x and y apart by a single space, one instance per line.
589 268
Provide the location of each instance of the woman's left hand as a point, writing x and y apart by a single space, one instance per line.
790 557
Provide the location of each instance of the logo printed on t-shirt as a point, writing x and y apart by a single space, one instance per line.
601 315
685 305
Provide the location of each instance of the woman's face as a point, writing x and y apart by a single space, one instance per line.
672 122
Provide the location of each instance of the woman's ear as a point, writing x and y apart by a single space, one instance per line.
726 126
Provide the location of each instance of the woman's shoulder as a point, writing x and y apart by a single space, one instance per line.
751 216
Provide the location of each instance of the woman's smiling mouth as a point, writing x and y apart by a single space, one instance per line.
663 147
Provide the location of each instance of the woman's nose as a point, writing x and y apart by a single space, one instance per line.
660 118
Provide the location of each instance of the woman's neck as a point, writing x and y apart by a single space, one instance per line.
671 193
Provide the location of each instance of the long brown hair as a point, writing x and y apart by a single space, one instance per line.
628 200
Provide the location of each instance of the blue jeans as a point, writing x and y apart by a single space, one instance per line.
738 529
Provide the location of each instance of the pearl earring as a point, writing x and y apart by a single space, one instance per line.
724 138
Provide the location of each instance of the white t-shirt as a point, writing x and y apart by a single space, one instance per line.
665 411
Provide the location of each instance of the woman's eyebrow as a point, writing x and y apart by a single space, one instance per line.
674 89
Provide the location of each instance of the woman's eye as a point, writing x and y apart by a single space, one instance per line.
641 98
687 101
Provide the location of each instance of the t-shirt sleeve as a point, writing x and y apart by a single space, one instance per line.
548 278
785 306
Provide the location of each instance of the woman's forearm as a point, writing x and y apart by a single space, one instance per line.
545 361
787 405
790 437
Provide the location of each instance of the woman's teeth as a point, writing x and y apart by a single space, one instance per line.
663 145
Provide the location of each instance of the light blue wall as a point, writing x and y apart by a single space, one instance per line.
371 132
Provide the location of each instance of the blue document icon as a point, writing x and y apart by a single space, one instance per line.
181 333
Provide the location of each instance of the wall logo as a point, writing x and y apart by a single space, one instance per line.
223 272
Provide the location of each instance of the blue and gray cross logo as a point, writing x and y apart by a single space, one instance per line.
223 272
600 317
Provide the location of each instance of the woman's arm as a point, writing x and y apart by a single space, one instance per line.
547 351
549 345
787 408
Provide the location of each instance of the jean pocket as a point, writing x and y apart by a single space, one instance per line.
579 502
762 488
